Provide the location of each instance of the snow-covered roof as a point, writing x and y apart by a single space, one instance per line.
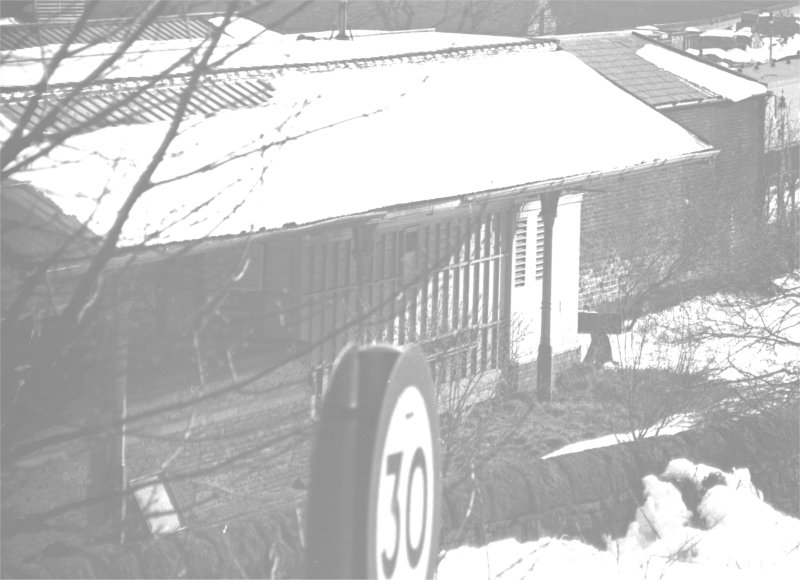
658 75
344 141
730 86
719 33
244 44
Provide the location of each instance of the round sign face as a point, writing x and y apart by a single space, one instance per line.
403 515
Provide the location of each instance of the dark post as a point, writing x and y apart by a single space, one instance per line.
363 250
121 330
771 25
544 364
342 35
509 225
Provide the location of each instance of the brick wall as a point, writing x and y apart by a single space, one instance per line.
633 224
703 213
737 131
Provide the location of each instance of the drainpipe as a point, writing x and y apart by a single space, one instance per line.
544 363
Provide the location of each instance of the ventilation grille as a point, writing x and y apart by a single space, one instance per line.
539 248
59 10
521 252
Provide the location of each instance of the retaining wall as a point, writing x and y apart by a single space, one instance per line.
584 495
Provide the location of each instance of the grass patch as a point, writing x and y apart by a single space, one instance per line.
587 403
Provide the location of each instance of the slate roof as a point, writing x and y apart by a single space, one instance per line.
613 55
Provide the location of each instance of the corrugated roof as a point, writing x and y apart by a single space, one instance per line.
18 36
140 101
613 55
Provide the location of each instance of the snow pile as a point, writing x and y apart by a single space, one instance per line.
696 522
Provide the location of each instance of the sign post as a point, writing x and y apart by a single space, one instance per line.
374 498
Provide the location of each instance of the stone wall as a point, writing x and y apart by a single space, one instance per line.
584 495
596 492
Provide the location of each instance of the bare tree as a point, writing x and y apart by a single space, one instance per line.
66 301
781 138
90 317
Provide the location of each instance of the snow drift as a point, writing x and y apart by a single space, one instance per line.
696 521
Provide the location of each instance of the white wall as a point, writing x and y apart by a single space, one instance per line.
526 301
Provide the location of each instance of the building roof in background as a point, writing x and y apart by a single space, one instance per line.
342 139
20 36
654 73
784 73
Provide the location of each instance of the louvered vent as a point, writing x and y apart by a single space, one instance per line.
59 10
539 248
521 249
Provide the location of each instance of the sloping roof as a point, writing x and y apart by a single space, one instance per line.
164 44
148 99
35 228
245 44
618 56
344 140
19 36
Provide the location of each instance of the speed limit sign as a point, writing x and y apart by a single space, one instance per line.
374 498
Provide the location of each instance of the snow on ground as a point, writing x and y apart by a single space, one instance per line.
732 337
732 534
707 334
676 424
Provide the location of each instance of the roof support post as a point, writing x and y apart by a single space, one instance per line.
363 249
508 227
544 363
108 473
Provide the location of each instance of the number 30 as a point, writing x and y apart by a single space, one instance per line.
394 464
